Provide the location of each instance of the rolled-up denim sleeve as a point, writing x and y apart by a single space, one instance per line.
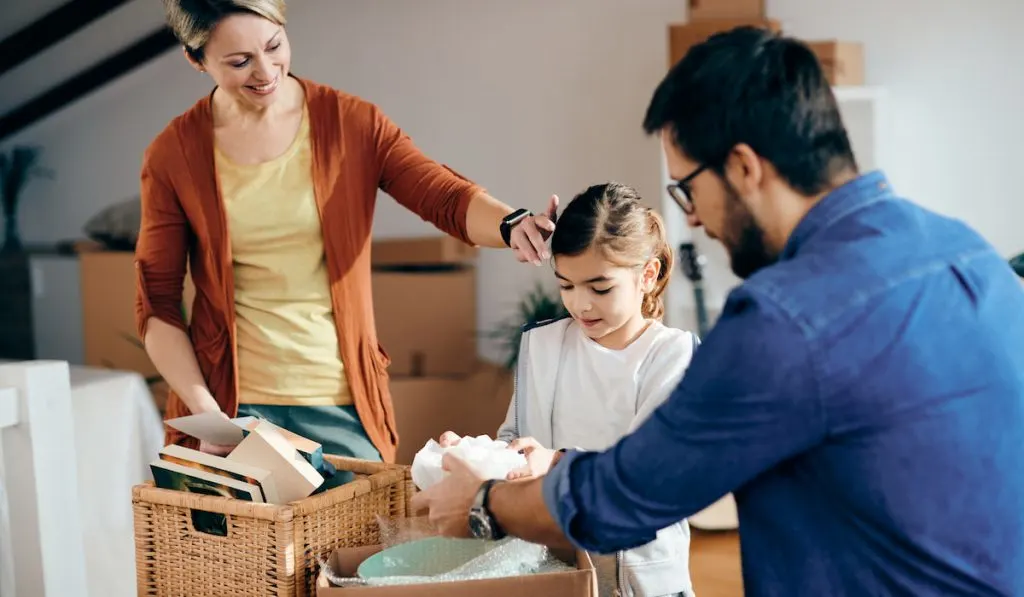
557 489
748 401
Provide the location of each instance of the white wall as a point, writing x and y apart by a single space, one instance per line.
15 15
546 96
955 85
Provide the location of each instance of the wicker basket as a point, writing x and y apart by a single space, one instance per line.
266 549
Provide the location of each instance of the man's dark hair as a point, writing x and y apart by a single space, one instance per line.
752 86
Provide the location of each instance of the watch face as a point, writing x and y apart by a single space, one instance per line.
479 524
515 216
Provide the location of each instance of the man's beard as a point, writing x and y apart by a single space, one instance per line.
744 240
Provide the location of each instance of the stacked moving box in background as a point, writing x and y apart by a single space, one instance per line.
424 295
108 316
843 61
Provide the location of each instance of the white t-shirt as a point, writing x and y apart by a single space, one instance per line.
603 394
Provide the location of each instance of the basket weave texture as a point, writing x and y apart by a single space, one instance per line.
268 549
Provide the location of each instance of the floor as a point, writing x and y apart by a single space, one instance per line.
715 563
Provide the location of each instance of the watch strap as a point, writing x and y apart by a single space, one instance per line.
496 531
509 222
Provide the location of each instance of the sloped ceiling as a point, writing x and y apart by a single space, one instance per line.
15 15
79 48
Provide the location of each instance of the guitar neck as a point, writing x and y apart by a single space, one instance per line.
703 325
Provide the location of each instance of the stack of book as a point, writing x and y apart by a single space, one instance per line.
268 464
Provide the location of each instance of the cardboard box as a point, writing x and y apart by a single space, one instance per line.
427 407
683 36
702 10
424 295
842 61
426 320
108 316
108 312
431 250
581 582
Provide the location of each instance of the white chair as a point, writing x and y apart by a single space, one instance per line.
41 541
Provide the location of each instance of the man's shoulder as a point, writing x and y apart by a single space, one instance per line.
863 260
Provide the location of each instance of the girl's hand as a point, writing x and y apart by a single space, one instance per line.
448 439
523 444
529 237
538 459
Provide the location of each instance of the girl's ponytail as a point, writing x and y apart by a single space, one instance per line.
654 305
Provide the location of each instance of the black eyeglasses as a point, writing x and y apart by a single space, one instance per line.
682 193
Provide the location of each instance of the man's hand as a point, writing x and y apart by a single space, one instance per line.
529 237
447 504
539 459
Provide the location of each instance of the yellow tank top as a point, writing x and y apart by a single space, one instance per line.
287 338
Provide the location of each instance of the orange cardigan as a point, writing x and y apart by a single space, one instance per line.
356 150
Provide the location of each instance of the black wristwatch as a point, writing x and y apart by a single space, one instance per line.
510 221
482 524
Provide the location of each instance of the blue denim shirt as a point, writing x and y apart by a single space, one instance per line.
863 398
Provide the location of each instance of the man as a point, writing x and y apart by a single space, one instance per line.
862 393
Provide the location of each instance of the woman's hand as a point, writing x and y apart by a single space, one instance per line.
215 449
539 459
529 237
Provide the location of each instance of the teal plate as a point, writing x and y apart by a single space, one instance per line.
423 558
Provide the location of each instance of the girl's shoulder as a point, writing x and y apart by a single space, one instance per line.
673 343
546 326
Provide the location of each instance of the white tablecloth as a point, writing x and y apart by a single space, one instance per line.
118 432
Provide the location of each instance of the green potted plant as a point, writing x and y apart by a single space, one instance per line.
17 167
536 305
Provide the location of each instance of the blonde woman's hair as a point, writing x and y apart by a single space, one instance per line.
193 21
613 218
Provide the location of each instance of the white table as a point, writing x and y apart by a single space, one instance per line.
118 431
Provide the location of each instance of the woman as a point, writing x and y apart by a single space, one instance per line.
267 188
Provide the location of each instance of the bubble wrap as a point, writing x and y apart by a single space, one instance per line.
404 529
491 459
509 557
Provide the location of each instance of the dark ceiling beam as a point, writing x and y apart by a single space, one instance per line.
50 29
86 81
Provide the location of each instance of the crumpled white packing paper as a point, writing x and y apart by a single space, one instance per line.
491 459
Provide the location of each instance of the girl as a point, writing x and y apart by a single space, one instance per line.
588 379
